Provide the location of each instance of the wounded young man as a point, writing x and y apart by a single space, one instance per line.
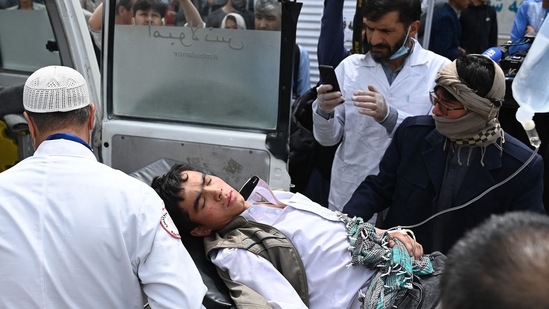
278 249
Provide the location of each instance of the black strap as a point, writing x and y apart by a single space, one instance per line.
297 54
357 29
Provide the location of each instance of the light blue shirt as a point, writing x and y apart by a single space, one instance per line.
530 13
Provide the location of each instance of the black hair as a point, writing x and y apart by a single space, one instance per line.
409 10
47 122
145 5
127 4
168 187
500 264
477 72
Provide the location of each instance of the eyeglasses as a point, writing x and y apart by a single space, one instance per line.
445 108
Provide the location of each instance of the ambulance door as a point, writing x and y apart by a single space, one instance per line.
217 98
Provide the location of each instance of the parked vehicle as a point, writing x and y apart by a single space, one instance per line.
219 98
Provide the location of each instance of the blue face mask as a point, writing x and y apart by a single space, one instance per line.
403 49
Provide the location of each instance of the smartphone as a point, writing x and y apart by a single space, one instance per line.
328 76
248 187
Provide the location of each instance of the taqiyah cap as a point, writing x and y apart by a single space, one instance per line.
55 89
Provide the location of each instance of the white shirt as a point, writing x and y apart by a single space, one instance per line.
79 234
363 140
321 240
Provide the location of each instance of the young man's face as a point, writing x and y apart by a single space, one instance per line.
443 107
268 21
148 17
210 202
386 35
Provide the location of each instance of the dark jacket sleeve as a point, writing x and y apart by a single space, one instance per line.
331 49
376 192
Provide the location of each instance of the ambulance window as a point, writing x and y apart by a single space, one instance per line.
225 77
26 39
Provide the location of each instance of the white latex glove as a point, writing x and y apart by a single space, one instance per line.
371 103
328 101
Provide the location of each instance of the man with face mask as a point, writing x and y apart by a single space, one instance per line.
379 89
232 6
458 155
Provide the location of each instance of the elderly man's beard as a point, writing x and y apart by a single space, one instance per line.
383 52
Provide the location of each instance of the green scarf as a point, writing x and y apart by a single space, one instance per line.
395 268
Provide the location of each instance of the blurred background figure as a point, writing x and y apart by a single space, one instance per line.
27 5
479 27
446 30
500 264
528 20
233 21
123 16
232 6
268 16
149 12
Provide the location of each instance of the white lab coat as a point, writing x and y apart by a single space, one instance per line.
364 141
79 234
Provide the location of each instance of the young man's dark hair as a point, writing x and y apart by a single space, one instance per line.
475 71
168 187
127 4
145 5
500 264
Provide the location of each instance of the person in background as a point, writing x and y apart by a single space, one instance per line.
27 5
479 27
277 249
123 16
76 232
528 20
232 6
149 12
446 29
379 89
268 16
90 5
458 155
511 249
233 21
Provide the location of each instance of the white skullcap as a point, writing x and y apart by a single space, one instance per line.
55 89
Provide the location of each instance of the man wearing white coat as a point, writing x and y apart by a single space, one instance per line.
77 233
379 89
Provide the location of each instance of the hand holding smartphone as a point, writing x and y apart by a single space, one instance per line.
328 76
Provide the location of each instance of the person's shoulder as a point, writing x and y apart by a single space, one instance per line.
118 179
354 60
421 55
418 121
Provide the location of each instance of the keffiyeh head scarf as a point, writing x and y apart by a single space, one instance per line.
480 127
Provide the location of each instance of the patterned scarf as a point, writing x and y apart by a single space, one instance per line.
395 267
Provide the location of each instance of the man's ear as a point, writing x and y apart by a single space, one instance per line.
414 28
201 231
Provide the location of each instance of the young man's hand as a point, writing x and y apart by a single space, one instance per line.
414 248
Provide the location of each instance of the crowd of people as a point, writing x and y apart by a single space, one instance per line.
431 203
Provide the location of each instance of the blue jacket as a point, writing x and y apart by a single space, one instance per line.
410 178
445 32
